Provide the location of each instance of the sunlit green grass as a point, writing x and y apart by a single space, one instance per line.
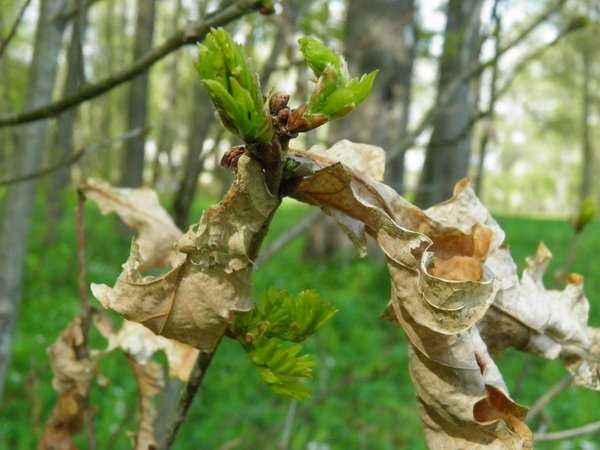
363 397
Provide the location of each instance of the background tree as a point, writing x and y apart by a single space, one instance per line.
133 156
449 149
20 198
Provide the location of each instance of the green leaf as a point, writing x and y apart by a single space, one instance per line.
318 57
279 318
282 368
335 94
233 87
280 315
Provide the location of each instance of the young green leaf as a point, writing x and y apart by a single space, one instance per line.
233 87
282 368
335 94
277 319
318 57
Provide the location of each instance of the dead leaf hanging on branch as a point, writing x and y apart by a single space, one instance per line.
73 374
196 300
441 288
141 210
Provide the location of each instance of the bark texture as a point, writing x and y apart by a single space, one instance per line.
132 174
587 152
18 206
449 148
64 140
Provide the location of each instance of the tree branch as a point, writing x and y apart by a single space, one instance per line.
593 427
470 73
72 159
188 392
188 35
13 30
546 398
287 237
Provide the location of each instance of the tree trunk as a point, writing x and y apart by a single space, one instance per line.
20 198
132 174
166 135
64 145
449 148
108 40
587 151
390 47
488 132
199 125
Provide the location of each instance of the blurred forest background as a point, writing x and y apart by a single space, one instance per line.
502 91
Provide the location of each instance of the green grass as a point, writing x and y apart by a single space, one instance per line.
363 397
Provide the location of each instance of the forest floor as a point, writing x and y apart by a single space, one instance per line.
362 394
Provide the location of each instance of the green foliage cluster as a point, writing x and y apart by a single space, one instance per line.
336 94
234 87
277 320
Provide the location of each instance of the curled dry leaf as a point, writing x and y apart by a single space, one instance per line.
141 210
194 302
525 315
73 373
440 288
548 323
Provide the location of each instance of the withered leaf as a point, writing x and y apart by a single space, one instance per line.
525 315
441 288
194 302
142 211
73 374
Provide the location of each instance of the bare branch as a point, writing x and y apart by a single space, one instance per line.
72 159
86 307
287 237
189 35
546 398
15 26
188 392
593 427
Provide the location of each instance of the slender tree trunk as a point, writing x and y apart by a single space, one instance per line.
133 157
488 131
16 221
64 145
107 120
449 148
166 135
587 151
199 125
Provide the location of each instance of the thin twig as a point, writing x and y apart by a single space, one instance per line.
188 35
13 30
593 427
190 389
84 298
287 237
71 159
546 398
289 424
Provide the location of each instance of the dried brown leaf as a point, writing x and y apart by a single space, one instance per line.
141 210
73 374
194 302
440 290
